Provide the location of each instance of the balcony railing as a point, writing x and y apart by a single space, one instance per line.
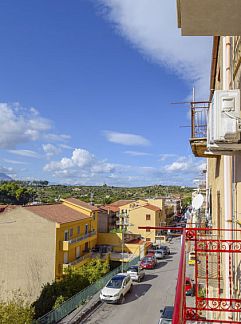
82 237
77 261
199 113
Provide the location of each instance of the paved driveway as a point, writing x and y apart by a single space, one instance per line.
143 304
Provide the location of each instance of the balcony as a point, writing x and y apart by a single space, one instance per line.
209 17
77 262
67 244
199 117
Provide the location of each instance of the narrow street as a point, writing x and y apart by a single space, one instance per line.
143 304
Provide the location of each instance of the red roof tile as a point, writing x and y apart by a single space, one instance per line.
152 207
120 203
58 213
81 204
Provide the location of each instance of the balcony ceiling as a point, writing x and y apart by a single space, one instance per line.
209 17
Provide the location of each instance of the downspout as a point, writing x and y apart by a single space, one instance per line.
227 169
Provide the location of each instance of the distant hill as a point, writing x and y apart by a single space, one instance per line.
5 177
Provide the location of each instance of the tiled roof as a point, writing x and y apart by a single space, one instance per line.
152 207
120 203
112 208
81 203
58 213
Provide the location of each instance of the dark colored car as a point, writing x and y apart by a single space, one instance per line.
166 315
165 248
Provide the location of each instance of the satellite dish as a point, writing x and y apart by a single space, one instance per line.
197 201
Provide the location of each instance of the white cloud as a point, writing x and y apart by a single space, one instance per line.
137 153
65 146
126 139
164 157
82 164
6 170
57 137
51 149
27 153
14 161
187 164
20 125
151 26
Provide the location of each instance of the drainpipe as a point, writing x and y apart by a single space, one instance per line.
227 168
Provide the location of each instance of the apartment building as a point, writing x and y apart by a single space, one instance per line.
141 212
41 241
216 137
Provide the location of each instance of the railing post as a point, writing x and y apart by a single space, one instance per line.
179 305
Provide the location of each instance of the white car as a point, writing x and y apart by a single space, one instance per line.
136 273
159 254
116 289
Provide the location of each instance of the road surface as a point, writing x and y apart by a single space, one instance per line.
143 304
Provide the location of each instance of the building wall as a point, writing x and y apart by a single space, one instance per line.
137 217
27 252
72 248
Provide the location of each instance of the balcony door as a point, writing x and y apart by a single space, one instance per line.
77 252
86 228
66 235
66 259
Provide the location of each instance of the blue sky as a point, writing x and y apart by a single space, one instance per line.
86 92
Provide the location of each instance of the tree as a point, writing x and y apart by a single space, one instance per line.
74 280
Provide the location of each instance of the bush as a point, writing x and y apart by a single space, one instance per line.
16 310
74 280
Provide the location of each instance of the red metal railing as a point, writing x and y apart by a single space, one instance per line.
216 264
180 300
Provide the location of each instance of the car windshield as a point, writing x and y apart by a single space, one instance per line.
115 283
168 311
133 269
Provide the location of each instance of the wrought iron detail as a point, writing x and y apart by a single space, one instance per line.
219 304
230 246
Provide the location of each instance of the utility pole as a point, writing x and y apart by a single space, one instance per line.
123 224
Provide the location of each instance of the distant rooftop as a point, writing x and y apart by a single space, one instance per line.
81 203
58 213
120 203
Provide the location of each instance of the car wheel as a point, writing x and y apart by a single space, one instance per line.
121 300
139 279
130 290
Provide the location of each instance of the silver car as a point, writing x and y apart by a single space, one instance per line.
136 273
159 254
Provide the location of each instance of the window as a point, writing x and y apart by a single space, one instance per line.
66 258
93 216
148 217
86 247
78 230
77 252
66 235
71 232
148 230
148 239
86 228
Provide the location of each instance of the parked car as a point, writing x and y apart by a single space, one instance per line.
152 257
159 254
148 263
166 315
189 288
165 249
136 273
116 288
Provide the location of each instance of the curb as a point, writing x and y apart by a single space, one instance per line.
84 314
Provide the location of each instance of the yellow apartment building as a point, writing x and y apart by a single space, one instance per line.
142 212
41 241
